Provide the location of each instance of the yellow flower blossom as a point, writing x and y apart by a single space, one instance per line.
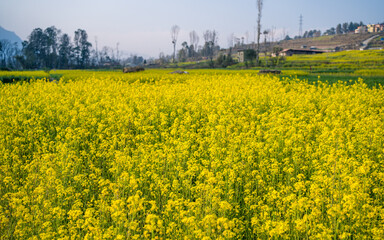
209 155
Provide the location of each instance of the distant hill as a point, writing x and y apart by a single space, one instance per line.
11 36
350 41
344 41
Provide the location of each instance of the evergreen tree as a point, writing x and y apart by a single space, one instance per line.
51 44
82 49
331 31
65 51
339 29
34 50
345 27
351 27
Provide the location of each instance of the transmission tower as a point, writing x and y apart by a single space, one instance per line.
301 26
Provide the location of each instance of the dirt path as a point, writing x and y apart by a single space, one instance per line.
366 42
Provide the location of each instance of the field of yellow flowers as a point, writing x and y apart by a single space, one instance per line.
208 155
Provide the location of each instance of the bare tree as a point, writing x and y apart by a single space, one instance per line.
283 34
231 39
259 5
237 41
117 52
272 34
97 51
162 58
194 40
8 51
246 36
174 34
265 46
210 38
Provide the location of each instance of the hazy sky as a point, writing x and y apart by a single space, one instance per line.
143 27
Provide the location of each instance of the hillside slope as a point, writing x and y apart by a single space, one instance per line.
345 41
349 41
10 36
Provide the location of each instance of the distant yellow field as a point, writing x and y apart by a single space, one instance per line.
206 155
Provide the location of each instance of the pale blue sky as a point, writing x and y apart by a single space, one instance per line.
143 27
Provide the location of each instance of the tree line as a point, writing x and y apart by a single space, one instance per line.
343 28
192 51
8 51
52 49
210 48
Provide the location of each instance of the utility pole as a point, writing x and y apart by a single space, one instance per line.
97 52
259 5
117 52
265 46
301 26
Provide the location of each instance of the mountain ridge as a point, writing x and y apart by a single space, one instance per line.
10 36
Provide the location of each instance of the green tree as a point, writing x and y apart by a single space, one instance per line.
184 52
34 50
331 31
50 37
339 29
355 26
276 50
345 27
210 38
249 54
82 48
351 27
40 50
191 52
225 60
65 51
287 38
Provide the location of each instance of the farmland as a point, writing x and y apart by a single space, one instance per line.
363 63
214 154
345 41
